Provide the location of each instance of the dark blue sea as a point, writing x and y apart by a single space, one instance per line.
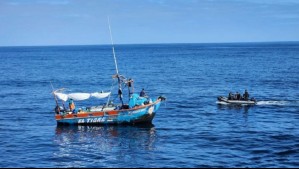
190 128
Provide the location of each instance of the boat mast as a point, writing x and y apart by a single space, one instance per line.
116 68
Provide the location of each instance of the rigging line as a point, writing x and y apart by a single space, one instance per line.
54 94
109 95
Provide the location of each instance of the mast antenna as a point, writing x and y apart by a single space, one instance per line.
115 62
116 68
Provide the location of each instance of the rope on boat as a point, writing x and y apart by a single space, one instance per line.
109 96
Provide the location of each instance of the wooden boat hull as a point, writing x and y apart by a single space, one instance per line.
224 100
141 114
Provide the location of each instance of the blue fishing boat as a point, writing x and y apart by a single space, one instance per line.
112 114
139 109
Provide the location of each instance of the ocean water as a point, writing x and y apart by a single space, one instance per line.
190 128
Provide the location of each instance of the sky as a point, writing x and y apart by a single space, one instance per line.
84 22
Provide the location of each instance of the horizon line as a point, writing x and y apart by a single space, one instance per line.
163 43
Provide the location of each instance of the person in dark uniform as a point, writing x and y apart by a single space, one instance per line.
238 96
57 109
142 93
246 95
230 96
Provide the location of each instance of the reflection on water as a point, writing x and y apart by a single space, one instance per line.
235 107
101 143
237 111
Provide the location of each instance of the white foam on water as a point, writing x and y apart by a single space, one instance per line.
278 103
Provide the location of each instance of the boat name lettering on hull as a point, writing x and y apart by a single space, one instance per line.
91 120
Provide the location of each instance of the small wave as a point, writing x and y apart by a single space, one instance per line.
286 152
260 151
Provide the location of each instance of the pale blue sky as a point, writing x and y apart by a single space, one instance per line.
84 22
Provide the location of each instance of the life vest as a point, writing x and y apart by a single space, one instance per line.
72 106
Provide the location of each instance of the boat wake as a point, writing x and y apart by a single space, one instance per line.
278 103
268 103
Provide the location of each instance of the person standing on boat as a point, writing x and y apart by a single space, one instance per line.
71 105
230 96
246 95
142 93
238 96
57 109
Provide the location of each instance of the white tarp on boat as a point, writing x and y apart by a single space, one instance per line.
100 95
62 96
81 96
